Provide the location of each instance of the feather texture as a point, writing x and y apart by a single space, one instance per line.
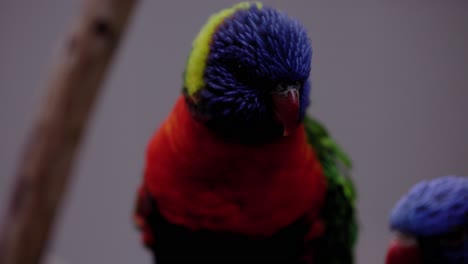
339 211
432 207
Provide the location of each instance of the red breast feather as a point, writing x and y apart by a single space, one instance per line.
201 182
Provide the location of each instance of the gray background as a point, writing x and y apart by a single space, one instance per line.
389 79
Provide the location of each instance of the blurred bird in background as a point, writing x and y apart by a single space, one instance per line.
431 223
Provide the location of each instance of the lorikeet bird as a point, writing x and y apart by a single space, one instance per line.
431 223
238 171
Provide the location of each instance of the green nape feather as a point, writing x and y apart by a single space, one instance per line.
339 212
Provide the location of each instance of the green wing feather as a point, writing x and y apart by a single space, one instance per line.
339 212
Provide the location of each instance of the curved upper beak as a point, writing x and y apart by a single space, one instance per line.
286 106
403 249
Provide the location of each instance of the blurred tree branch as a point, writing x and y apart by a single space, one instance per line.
47 161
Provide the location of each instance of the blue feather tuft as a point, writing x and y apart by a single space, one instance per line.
432 207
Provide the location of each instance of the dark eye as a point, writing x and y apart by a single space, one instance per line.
239 70
454 239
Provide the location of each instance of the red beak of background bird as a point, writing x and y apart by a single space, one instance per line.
403 250
286 107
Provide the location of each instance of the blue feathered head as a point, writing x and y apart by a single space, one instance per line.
436 212
247 74
432 207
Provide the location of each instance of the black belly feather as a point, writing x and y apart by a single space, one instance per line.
178 244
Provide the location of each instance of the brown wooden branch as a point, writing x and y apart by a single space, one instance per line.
47 161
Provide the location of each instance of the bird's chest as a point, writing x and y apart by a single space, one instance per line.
245 195
207 185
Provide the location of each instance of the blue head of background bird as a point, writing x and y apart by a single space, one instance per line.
435 215
255 77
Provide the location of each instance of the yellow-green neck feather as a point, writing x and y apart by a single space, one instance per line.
201 47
